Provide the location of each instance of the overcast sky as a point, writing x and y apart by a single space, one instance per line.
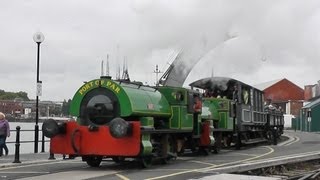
251 40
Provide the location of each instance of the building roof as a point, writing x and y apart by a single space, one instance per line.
265 85
312 104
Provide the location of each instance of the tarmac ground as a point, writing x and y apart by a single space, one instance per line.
23 159
32 158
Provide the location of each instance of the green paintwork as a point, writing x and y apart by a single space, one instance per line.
147 121
145 138
186 120
218 109
174 120
314 124
135 100
197 125
146 148
180 118
170 94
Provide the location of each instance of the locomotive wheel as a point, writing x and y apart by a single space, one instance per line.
94 161
204 151
146 161
118 159
171 151
216 149
238 143
270 136
228 141
180 146
165 160
218 143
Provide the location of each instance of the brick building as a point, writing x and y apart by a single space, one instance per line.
11 107
27 109
285 94
311 91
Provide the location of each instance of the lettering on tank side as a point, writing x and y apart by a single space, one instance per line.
90 85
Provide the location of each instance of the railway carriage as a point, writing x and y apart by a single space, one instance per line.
238 111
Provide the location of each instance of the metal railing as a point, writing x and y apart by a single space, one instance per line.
43 141
18 142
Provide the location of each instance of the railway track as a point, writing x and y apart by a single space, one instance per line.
293 171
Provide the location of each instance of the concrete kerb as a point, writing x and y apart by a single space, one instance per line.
27 159
251 165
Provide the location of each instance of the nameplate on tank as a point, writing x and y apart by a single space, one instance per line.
98 83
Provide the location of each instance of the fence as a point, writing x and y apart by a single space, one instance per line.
17 142
42 141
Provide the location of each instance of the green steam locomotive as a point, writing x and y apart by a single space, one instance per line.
122 119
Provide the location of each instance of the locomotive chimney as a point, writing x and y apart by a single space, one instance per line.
105 77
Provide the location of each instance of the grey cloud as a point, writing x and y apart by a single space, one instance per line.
79 34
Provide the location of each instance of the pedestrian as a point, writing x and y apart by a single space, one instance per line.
235 93
4 133
197 107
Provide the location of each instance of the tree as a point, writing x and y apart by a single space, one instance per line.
12 95
23 95
66 107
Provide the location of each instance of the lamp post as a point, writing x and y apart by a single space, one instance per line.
38 38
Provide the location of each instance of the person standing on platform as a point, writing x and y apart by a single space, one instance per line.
4 133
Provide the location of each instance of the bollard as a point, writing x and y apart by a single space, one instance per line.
36 137
42 143
17 150
51 157
275 142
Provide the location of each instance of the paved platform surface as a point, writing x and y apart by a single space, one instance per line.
23 159
32 158
236 176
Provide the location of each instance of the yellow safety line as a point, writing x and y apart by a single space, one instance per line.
214 166
122 177
244 154
296 140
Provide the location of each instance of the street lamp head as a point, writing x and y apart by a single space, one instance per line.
38 37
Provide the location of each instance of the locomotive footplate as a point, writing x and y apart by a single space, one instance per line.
148 130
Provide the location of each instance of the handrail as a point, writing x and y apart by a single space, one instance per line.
26 141
42 141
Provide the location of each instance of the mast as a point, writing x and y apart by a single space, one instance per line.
157 71
107 66
102 71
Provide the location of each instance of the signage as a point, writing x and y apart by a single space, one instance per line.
39 88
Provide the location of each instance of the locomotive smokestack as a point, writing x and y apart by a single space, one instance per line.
105 77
